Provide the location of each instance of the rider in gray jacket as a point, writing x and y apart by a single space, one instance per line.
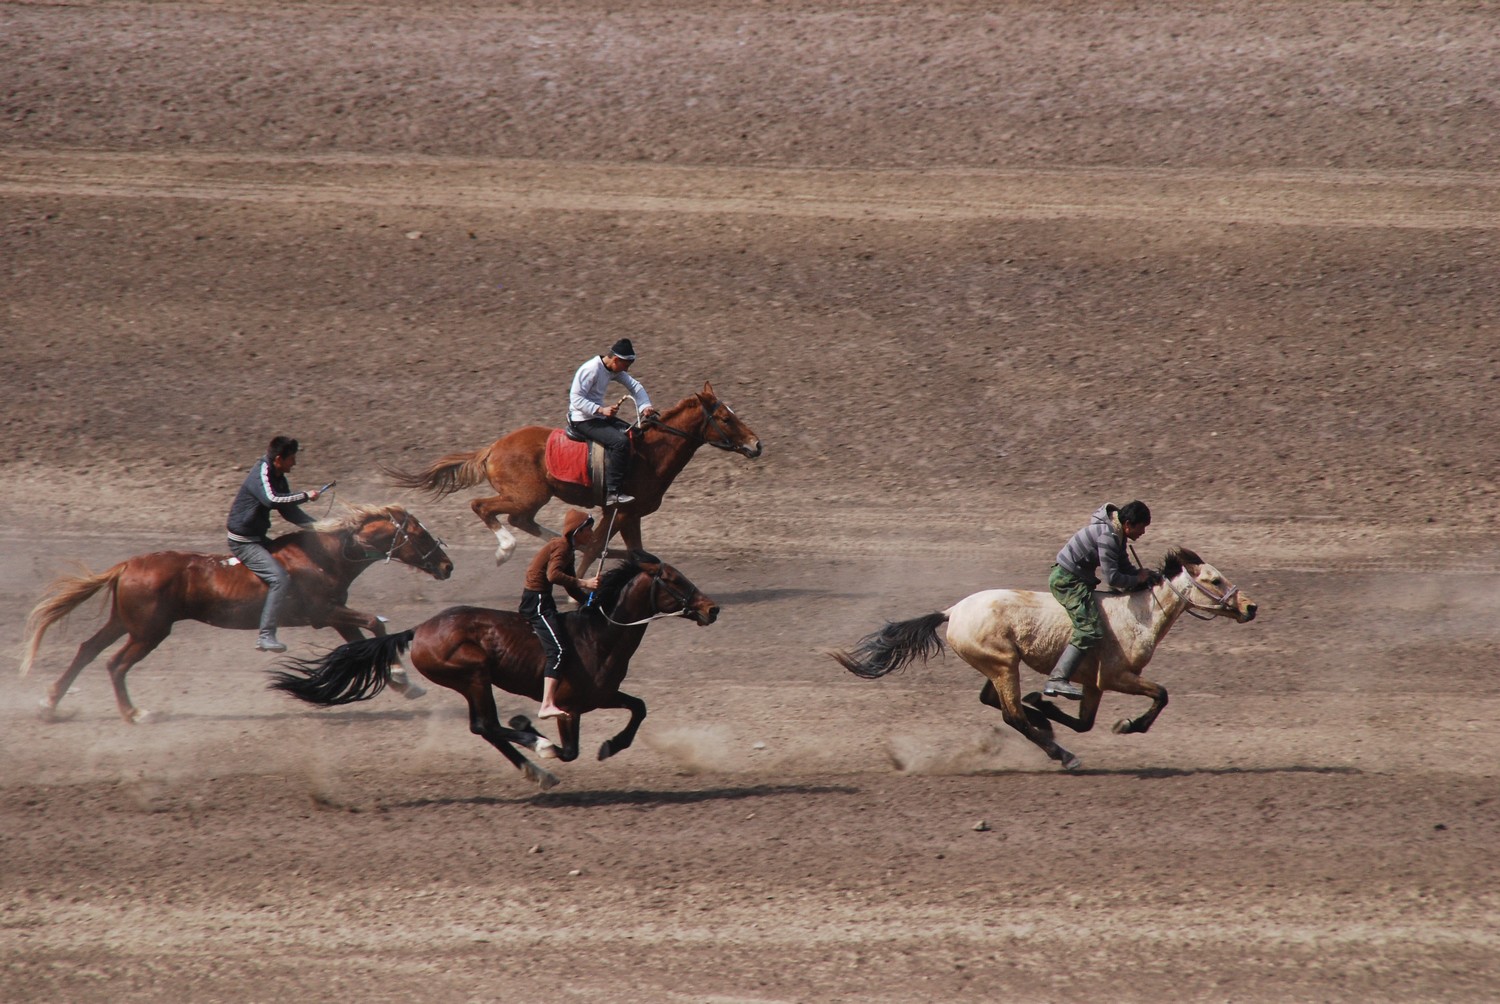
266 488
1094 551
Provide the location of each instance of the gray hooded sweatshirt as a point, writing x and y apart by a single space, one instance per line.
1100 545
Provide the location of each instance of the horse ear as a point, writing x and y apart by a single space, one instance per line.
708 388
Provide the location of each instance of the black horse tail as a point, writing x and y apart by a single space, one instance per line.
893 646
353 672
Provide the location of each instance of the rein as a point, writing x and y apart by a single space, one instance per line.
659 614
723 442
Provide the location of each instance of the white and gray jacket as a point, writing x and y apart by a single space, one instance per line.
591 383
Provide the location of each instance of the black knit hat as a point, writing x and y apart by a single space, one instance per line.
622 349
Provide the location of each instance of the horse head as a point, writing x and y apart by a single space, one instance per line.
392 532
723 428
645 588
1203 588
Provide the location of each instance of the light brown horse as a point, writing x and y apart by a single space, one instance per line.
151 592
471 649
516 469
998 630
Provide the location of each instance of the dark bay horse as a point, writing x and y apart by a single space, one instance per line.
151 592
471 649
998 630
516 469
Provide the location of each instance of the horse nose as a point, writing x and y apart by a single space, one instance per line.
712 614
754 451
1250 612
445 569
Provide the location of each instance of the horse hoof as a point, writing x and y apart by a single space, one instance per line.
606 750
140 716
1071 763
412 692
47 711
545 779
546 749
1122 727
521 723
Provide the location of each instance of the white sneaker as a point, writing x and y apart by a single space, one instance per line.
619 499
268 643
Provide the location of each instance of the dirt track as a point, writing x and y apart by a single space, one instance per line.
968 272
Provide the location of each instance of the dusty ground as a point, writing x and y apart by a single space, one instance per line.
969 270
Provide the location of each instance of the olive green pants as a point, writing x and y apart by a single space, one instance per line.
1077 598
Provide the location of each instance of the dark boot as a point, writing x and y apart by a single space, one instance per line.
1060 683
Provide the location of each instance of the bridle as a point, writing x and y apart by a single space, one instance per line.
723 442
399 538
656 583
1220 600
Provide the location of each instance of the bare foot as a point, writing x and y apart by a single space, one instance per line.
551 711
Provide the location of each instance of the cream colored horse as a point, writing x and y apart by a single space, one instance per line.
998 630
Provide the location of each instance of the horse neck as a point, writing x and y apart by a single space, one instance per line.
1166 606
1149 614
333 551
612 644
669 456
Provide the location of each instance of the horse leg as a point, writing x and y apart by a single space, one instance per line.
87 653
133 652
484 721
990 697
490 510
623 739
628 526
1000 670
1038 706
1133 683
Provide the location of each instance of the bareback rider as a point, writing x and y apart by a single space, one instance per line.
553 565
1099 545
590 419
266 488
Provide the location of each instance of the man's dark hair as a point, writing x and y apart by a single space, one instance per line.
281 446
1135 512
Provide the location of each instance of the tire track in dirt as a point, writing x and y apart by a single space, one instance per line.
1435 200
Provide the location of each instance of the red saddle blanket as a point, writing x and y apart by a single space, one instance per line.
568 459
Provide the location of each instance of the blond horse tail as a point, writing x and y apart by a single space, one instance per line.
64 596
445 475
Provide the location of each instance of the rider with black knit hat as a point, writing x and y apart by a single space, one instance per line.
1099 545
589 418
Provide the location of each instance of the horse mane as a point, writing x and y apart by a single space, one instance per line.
355 516
1176 558
614 581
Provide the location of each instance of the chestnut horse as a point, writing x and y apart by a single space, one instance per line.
997 630
471 649
516 469
151 592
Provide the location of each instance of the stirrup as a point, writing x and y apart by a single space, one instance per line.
1063 688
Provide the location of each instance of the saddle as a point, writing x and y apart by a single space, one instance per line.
576 461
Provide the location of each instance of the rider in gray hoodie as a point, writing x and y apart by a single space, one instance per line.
1097 550
266 488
